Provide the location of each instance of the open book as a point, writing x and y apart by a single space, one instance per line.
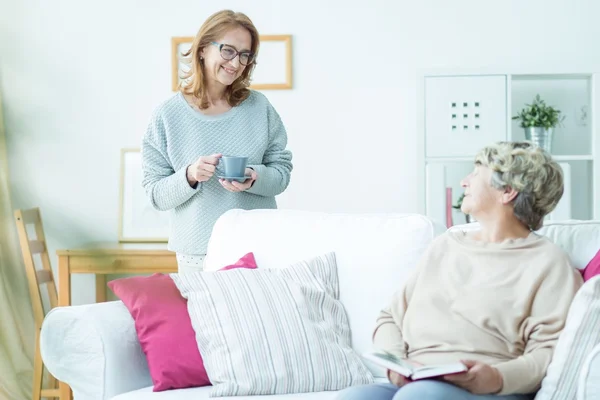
411 371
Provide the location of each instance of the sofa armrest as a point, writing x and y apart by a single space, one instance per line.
588 387
94 349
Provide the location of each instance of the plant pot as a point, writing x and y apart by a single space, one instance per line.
540 136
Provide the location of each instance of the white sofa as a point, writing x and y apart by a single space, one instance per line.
94 348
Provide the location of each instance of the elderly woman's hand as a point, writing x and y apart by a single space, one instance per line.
479 379
397 379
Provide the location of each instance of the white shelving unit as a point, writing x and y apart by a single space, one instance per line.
465 111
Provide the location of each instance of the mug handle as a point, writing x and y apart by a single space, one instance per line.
219 171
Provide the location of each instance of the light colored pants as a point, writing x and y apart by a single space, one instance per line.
190 262
419 390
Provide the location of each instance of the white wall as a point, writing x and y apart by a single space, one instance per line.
80 78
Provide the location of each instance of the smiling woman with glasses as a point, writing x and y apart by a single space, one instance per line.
213 114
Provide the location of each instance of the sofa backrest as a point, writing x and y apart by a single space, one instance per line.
374 252
579 239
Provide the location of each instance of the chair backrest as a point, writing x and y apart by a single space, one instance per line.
29 248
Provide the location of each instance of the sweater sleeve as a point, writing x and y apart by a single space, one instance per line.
275 170
165 187
549 308
388 334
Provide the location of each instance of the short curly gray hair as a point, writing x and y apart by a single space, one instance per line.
530 171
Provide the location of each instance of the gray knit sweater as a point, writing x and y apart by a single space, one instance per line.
178 135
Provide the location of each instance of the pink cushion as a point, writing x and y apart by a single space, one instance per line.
593 268
164 328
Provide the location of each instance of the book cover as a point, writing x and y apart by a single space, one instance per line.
411 370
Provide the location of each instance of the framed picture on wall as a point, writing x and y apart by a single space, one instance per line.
273 70
179 46
139 222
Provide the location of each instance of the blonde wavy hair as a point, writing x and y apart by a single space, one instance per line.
194 81
529 170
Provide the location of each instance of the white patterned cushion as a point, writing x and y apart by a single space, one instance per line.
576 342
273 331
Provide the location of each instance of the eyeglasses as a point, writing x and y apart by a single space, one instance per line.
229 53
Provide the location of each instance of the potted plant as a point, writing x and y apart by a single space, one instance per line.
457 206
539 120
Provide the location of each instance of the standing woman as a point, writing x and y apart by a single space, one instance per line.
213 114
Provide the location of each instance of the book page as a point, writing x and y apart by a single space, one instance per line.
390 361
430 371
396 360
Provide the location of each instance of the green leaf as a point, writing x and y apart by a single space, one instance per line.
538 113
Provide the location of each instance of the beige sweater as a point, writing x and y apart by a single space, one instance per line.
504 304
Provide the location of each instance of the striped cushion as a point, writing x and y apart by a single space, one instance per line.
273 331
581 334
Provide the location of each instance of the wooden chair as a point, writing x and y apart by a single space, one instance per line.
37 278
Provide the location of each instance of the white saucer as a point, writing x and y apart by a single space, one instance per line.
236 178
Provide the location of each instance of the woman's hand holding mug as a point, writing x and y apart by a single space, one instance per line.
203 169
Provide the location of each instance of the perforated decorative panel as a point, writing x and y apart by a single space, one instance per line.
463 114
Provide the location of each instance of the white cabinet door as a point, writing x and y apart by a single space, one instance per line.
464 114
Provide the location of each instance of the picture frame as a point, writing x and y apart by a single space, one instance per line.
139 222
274 69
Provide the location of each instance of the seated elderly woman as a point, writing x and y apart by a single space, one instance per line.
495 299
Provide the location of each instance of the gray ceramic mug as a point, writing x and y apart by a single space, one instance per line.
232 166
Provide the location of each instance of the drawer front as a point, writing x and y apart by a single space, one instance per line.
126 263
